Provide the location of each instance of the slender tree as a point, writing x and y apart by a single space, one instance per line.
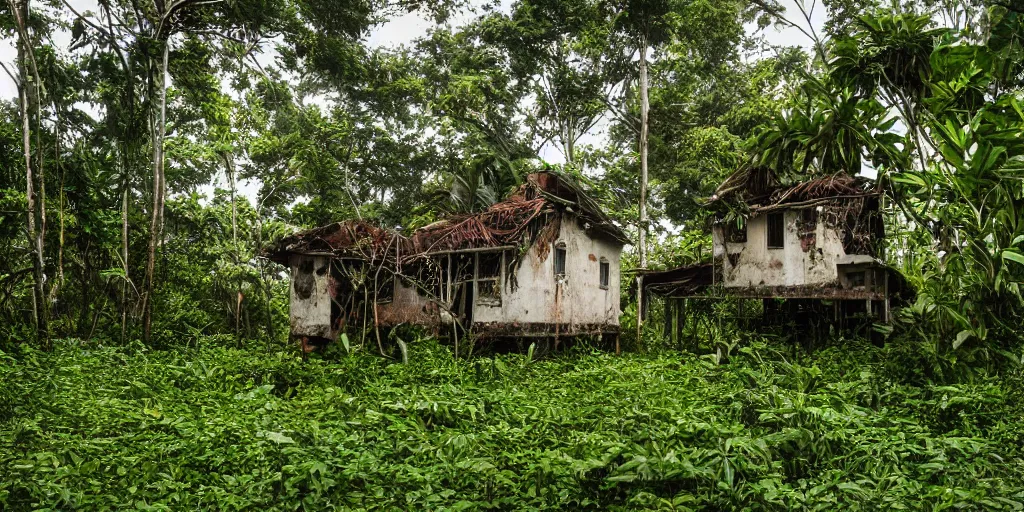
28 97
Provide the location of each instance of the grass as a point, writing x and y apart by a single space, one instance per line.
210 428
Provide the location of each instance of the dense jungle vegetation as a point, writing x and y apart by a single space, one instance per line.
153 148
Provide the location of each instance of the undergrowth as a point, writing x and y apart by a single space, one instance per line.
215 428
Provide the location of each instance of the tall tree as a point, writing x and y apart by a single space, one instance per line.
558 51
29 92
644 24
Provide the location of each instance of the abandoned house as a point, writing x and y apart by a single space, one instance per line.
815 244
543 262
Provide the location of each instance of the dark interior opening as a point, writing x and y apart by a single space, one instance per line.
776 231
605 272
560 260
736 233
490 265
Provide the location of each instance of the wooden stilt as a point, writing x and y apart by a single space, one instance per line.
680 320
667 327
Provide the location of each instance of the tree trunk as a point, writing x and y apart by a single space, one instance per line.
124 245
644 111
235 253
25 90
642 228
156 217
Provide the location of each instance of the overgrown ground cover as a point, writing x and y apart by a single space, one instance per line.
207 428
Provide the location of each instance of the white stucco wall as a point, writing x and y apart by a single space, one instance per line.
580 298
310 301
757 265
577 300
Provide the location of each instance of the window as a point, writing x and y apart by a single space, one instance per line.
490 265
807 228
605 272
809 218
560 260
776 231
857 279
736 233
462 267
488 293
488 278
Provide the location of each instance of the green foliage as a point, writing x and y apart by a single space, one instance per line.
92 427
936 113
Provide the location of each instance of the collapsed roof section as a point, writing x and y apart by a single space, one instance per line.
761 192
515 221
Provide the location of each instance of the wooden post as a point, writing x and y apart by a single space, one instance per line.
558 310
667 330
886 318
639 310
680 320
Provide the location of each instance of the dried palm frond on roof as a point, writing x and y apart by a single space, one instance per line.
516 220
350 238
501 224
760 192
837 187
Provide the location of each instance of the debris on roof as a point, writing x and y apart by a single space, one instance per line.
761 192
519 219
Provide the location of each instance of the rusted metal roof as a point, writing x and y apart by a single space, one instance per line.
507 223
681 281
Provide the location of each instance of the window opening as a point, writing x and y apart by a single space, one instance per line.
490 265
736 233
776 231
605 273
857 279
488 278
809 216
463 267
560 260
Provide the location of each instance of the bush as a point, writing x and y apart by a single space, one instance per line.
216 427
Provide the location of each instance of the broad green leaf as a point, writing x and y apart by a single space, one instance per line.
279 438
961 337
1014 256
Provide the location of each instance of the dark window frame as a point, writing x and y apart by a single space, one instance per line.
604 273
857 278
775 230
560 256
809 218
493 281
736 232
